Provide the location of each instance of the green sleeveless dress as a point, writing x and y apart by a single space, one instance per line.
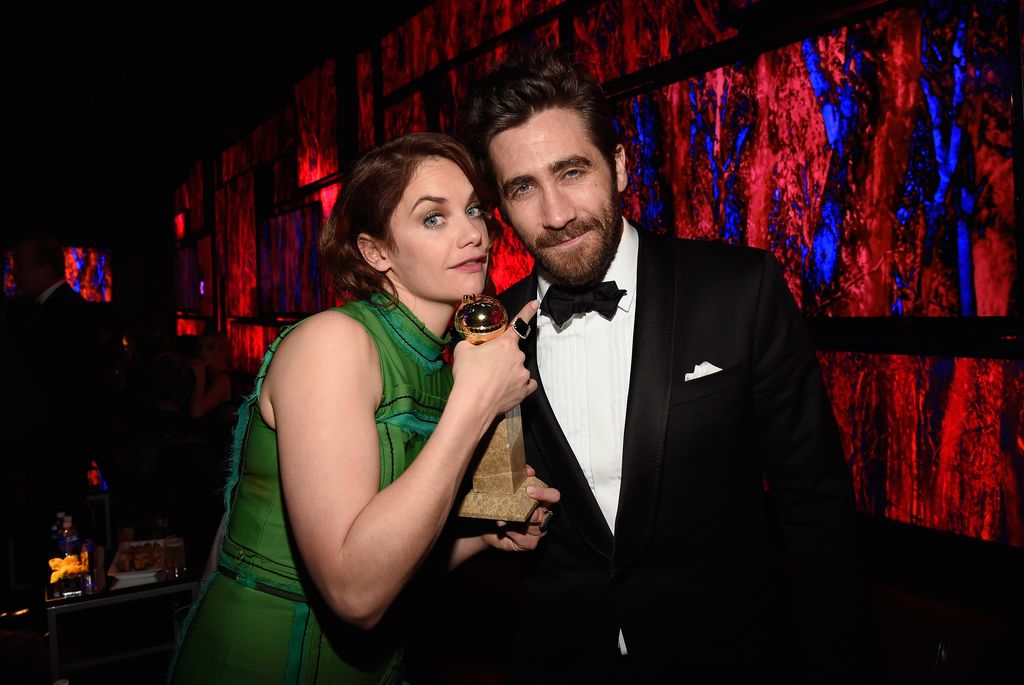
260 619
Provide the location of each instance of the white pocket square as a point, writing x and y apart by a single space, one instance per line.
701 370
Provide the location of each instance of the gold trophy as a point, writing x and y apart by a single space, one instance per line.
499 466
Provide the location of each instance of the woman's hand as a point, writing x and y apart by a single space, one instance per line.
523 537
492 373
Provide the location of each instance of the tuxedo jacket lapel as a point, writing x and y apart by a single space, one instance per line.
544 433
647 408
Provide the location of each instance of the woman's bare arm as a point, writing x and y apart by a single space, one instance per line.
362 545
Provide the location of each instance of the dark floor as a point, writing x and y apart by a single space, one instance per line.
924 642
949 610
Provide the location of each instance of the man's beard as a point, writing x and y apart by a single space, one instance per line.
581 266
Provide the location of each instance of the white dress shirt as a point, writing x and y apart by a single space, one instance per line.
584 365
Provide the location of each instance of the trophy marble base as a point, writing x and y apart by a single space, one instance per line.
516 506
499 475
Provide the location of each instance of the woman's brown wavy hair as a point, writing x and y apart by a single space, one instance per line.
368 199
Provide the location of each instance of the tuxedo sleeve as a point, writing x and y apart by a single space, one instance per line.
810 483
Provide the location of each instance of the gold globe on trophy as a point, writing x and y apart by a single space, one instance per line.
499 468
480 318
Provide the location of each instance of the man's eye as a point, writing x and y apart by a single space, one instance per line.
521 188
573 173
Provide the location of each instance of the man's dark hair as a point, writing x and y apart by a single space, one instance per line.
531 82
45 250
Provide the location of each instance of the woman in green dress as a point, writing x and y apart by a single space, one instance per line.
350 451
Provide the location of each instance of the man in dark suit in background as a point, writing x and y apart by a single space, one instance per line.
59 344
667 399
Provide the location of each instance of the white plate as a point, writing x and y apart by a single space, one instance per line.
122 582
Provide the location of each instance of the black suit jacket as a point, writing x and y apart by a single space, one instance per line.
692 573
61 353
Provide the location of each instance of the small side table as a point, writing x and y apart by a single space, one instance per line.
114 625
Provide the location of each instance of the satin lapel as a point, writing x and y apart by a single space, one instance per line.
578 502
643 450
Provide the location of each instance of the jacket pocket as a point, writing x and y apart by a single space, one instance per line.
688 391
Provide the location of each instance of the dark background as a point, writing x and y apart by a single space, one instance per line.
105 105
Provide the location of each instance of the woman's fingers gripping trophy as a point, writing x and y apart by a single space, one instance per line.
494 370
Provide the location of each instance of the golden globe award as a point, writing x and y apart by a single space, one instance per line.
499 466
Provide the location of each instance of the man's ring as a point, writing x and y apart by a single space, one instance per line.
548 515
521 328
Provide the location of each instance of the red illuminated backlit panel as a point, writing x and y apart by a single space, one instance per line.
619 37
495 17
408 116
317 120
457 82
509 260
364 89
9 285
275 135
181 211
236 242
934 441
874 161
179 225
87 270
409 52
190 327
249 342
290 262
328 196
188 203
235 160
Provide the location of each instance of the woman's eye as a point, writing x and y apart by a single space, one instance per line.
434 220
474 212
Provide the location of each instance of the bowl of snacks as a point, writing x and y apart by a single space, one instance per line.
138 562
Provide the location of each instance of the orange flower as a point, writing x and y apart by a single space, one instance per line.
71 565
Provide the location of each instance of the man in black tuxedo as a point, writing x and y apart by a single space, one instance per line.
667 400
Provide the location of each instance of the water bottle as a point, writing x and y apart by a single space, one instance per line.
68 541
69 571
55 530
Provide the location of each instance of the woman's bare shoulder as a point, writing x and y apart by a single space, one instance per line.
326 345
330 331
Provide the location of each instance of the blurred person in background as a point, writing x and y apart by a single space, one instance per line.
58 343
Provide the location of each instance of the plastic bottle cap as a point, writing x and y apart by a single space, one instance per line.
67 521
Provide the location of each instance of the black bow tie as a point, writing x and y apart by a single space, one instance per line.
561 303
